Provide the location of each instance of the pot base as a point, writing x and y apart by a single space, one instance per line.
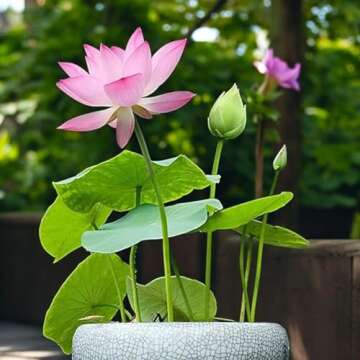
177 341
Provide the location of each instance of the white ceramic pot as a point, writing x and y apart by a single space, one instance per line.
175 341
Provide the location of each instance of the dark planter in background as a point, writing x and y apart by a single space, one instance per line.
28 279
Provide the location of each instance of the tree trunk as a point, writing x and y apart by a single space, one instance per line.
287 41
30 3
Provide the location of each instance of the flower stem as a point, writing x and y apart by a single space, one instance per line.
274 183
248 268
132 261
121 304
182 288
209 236
259 158
165 241
244 276
264 89
260 254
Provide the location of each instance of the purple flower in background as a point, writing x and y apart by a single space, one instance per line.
279 71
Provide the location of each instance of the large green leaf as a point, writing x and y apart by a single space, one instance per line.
114 182
275 235
152 299
238 215
89 291
143 223
61 228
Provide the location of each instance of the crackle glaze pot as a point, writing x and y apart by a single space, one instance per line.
175 341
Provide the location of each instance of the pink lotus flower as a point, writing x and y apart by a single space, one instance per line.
279 71
121 80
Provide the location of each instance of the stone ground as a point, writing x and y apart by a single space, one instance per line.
23 342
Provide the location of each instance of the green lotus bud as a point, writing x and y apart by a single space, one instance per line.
227 117
280 159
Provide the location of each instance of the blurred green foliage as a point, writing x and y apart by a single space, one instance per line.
33 153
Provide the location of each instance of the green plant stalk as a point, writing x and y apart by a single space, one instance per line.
247 271
247 275
209 236
121 303
245 303
181 286
260 254
132 263
259 158
242 278
163 218
264 89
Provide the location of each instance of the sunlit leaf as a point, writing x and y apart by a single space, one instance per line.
152 300
275 235
89 291
144 223
241 214
61 228
114 182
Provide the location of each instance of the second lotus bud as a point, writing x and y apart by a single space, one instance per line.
227 117
280 160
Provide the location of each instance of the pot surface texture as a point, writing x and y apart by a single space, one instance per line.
175 341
